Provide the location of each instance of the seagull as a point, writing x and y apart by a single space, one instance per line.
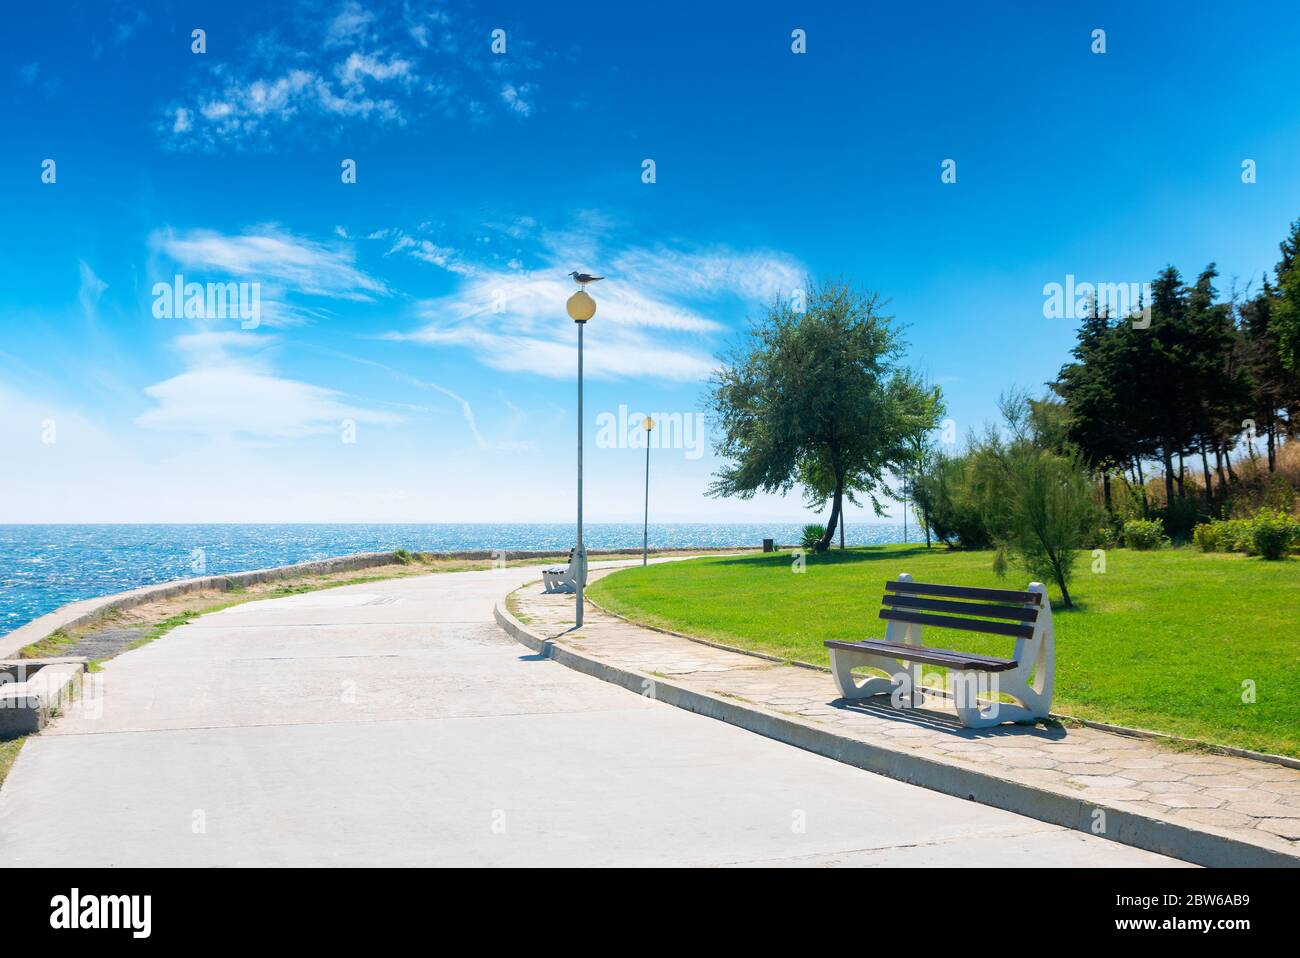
582 279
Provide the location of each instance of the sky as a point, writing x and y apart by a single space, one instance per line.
406 186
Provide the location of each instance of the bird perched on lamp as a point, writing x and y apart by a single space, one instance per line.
582 279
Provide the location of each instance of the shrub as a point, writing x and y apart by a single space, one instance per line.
1000 563
1238 535
1274 533
812 534
1103 537
1144 534
1209 537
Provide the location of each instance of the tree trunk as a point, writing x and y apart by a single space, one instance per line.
837 503
1218 466
1105 489
1169 478
1060 582
841 532
1205 468
1142 483
1272 448
1179 480
1227 461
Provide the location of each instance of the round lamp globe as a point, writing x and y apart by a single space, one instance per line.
581 306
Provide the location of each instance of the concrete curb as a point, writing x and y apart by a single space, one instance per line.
1203 846
1212 747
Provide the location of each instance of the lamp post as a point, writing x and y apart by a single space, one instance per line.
645 529
581 307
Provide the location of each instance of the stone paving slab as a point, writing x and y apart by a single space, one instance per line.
1249 800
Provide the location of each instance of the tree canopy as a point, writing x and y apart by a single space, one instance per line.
817 397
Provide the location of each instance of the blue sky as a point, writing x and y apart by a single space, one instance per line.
423 304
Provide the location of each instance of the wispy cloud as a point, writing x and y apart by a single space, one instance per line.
359 66
230 390
272 255
655 316
517 98
90 290
348 25
467 410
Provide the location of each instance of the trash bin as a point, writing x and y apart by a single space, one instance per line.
769 545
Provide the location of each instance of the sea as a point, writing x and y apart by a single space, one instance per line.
45 566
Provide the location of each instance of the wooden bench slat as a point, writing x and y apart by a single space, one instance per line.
1019 612
963 592
959 622
930 656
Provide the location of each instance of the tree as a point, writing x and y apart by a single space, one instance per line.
1286 312
1273 388
1036 501
945 495
1103 415
818 398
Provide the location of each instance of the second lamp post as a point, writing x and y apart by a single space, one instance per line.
645 529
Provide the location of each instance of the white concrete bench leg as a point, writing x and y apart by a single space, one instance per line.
1032 682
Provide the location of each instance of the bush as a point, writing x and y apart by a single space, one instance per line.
1274 533
1209 537
1144 534
1237 535
812 534
1103 537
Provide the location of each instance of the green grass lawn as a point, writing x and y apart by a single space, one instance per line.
1161 640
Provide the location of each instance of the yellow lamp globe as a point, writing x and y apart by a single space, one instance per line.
581 307
648 423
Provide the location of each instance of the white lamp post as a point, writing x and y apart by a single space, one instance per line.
581 307
645 529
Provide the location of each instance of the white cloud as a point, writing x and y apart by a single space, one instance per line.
359 67
649 323
349 24
517 98
225 392
272 255
426 250
242 110
356 66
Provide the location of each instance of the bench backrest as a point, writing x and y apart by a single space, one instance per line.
1004 611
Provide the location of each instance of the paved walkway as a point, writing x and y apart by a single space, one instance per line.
1252 800
393 723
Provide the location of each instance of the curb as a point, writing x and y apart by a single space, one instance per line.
1204 846
1212 747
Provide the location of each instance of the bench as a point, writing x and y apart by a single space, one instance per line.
559 578
1027 676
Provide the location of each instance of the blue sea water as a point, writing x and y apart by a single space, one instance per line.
44 566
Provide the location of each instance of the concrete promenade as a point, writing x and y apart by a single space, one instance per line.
393 723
